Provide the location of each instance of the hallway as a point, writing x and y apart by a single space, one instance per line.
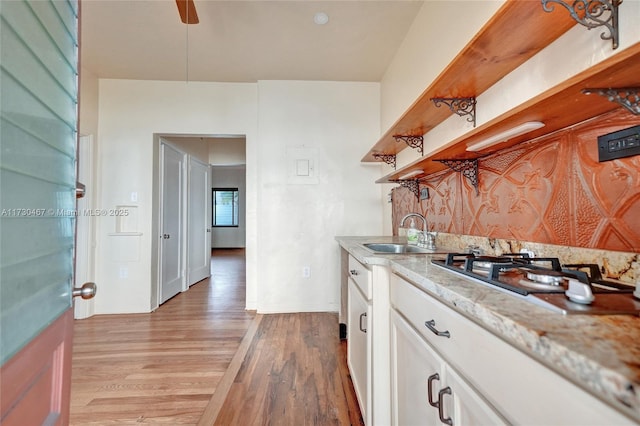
162 367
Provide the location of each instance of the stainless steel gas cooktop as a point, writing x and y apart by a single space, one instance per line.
566 289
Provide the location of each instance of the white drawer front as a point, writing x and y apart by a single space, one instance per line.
428 316
361 276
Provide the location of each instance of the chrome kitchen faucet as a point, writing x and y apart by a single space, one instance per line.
426 239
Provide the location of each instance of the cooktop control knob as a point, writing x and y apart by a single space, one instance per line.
579 292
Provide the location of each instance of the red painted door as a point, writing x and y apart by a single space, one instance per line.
38 133
36 382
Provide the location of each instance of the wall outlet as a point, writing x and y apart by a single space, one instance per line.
306 272
620 144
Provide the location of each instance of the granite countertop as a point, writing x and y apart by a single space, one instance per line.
600 353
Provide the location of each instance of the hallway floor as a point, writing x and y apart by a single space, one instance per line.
162 367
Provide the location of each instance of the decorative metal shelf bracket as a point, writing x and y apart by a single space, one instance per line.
592 14
468 168
412 185
412 141
390 159
628 97
460 106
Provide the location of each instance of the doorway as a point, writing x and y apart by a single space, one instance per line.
181 257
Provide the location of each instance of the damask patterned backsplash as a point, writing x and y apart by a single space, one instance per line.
551 191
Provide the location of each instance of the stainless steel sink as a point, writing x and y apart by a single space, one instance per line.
395 248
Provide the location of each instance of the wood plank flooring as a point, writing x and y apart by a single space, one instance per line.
172 366
162 367
294 373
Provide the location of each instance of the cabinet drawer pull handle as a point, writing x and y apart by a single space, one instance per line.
447 420
353 272
431 325
364 314
430 380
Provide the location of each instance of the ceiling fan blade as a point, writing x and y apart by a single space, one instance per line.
187 10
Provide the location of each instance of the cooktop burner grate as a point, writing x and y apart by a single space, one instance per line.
544 281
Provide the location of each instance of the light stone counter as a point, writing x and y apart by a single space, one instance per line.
600 353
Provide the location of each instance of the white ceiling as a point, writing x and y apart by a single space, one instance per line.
243 41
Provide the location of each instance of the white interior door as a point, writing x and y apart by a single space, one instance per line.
198 223
171 218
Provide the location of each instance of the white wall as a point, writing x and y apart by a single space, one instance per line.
288 226
131 112
224 151
439 32
88 107
230 177
298 222
228 157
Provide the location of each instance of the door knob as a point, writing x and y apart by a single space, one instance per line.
80 190
87 291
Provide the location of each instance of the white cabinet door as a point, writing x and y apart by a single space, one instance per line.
425 389
414 368
469 408
358 346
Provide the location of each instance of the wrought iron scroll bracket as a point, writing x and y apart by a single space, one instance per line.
468 168
412 185
628 97
390 159
412 141
461 106
592 14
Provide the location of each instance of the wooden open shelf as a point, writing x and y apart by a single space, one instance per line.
559 107
518 30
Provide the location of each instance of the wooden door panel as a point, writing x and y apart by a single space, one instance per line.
36 374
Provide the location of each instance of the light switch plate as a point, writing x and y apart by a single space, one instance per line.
302 165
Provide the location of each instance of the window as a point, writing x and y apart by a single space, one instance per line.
225 207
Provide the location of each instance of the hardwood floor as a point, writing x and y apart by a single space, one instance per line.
176 365
294 373
163 367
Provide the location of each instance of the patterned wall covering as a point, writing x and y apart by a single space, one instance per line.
552 190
